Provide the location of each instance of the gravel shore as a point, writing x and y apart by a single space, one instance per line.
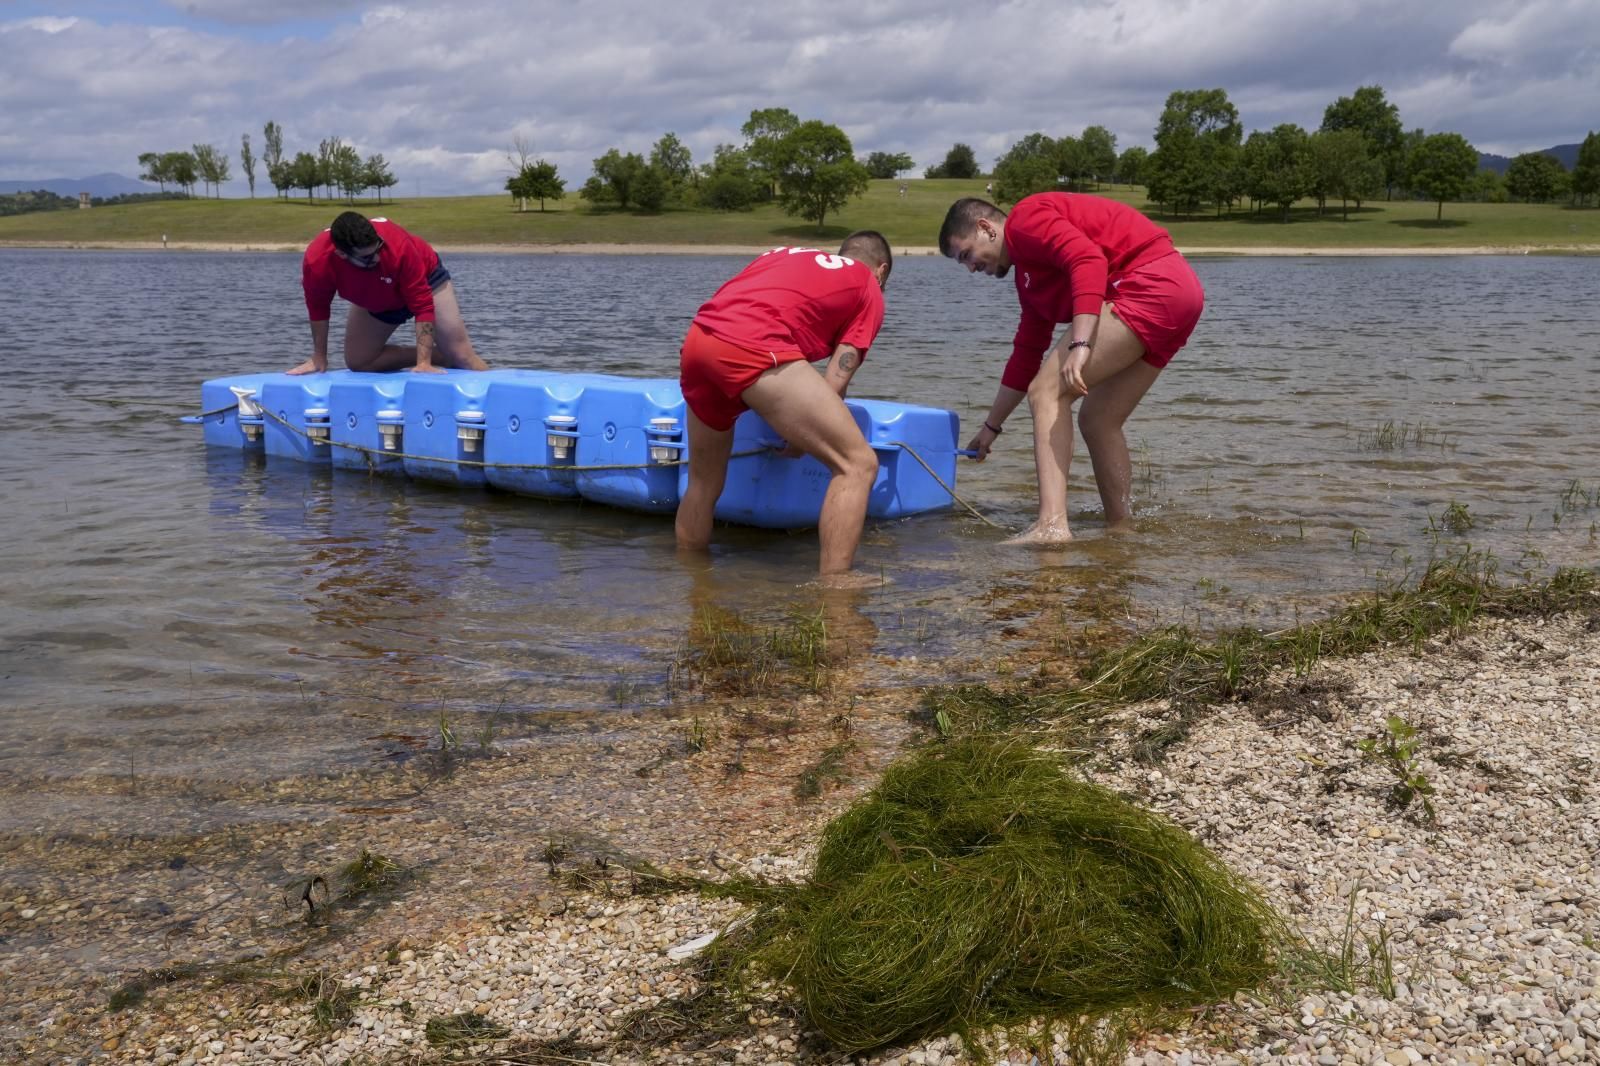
1490 912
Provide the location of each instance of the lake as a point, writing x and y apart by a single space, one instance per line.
171 611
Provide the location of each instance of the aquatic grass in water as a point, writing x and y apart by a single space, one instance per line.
1393 436
979 886
1177 664
724 651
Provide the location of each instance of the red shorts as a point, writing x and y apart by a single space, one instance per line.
1160 302
714 374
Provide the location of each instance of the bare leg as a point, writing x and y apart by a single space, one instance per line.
708 473
1101 417
1116 357
808 414
367 347
453 345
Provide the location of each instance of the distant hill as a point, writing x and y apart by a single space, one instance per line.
1565 154
94 185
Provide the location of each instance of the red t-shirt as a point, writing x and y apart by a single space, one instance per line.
1066 249
797 300
400 280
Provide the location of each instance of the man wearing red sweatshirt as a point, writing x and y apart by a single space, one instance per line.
389 277
1130 302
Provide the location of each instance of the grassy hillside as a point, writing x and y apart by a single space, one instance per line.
909 221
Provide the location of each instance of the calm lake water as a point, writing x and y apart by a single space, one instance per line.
173 611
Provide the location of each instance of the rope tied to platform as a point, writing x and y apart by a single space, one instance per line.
573 467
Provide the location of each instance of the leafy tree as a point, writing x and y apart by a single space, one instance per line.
536 181
615 178
1029 166
817 171
348 172
1379 122
212 166
1340 165
375 174
181 170
1131 165
885 165
327 171
1274 166
1099 146
764 135
1071 162
151 169
671 159
959 162
304 173
1487 187
247 159
1586 173
1441 166
1534 177
1197 142
272 156
726 184
1409 143
652 188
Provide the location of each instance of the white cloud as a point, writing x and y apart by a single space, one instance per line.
441 89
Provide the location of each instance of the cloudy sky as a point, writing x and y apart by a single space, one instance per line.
442 89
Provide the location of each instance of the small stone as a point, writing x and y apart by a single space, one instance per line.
111 1043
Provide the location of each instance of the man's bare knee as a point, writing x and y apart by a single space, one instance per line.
859 463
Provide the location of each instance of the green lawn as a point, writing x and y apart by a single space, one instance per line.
911 221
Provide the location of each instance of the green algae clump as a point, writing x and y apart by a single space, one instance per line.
980 886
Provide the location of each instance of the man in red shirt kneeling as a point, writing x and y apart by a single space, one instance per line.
389 277
747 349
1130 302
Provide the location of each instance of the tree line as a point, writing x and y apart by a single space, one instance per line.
335 165
1361 151
807 167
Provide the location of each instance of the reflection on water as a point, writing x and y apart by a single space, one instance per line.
195 613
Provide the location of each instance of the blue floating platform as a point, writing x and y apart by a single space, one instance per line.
612 440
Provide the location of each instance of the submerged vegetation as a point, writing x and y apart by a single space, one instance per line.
725 653
1175 663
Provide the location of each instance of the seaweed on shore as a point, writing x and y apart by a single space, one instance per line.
982 887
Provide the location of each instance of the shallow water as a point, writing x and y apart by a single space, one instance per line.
170 611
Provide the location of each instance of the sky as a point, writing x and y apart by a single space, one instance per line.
443 90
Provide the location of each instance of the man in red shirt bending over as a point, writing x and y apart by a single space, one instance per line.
388 276
748 348
1130 302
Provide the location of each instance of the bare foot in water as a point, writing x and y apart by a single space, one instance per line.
1052 532
851 579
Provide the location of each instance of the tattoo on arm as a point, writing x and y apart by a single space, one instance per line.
849 359
425 330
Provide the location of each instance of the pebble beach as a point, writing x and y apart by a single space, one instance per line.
1477 933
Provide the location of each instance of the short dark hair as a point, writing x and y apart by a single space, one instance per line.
350 231
962 219
869 246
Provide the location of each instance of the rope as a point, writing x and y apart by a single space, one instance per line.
953 494
479 464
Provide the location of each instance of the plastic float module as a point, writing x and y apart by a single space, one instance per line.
613 440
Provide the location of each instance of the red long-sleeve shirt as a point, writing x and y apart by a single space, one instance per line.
1066 250
400 279
797 299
